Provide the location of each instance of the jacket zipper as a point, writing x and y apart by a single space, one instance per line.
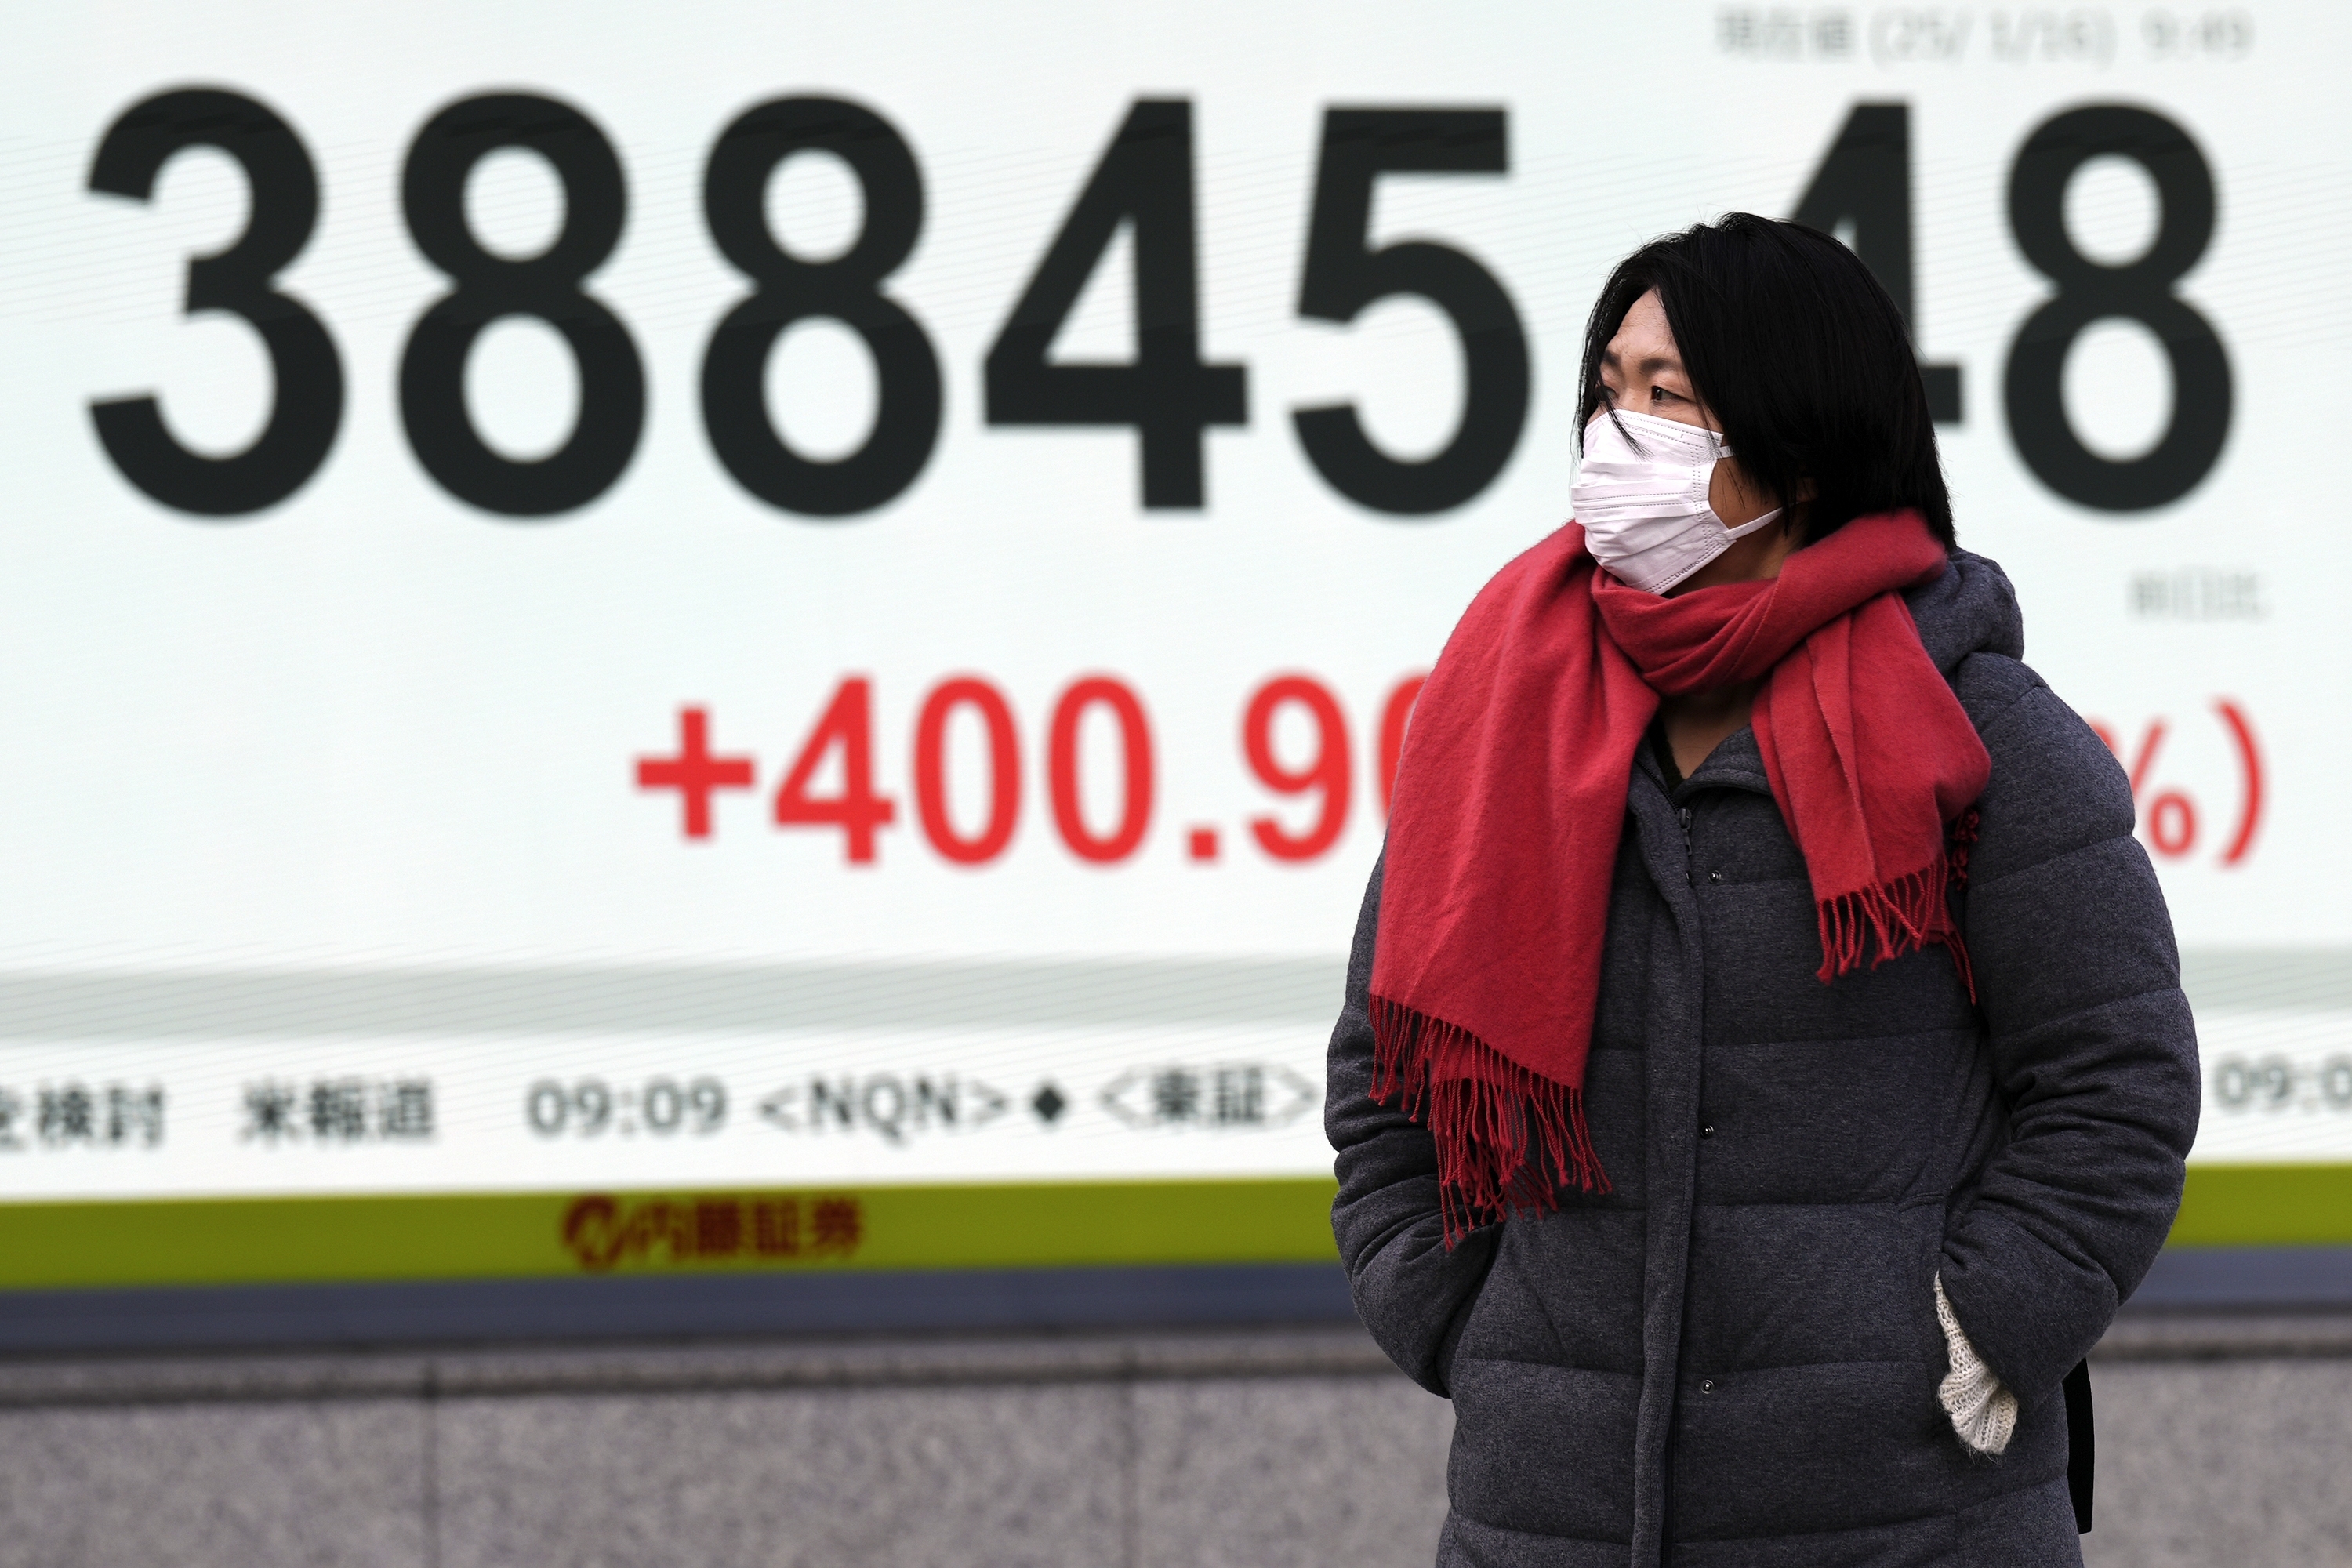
1667 1449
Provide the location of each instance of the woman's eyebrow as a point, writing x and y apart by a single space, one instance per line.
1650 366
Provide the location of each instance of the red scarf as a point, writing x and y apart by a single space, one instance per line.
1511 796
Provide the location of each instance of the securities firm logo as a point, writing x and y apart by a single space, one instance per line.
604 1233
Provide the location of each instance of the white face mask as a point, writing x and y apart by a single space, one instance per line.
1645 513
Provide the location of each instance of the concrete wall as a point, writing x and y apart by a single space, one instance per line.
2223 1442
2220 1442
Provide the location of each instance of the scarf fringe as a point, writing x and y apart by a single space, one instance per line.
1508 1137
1905 916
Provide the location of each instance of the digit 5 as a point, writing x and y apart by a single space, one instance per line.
1344 275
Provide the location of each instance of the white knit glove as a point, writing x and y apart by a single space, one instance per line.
1983 1413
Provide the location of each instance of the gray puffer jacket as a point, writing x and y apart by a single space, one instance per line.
1732 1356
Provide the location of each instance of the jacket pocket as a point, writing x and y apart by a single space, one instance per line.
1450 1343
1458 1327
1919 1311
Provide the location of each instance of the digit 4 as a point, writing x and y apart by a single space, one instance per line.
1166 392
848 724
1865 179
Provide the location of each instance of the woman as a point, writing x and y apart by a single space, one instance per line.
1764 1068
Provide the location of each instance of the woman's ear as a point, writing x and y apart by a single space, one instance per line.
1797 519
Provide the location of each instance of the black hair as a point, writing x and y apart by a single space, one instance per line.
1802 359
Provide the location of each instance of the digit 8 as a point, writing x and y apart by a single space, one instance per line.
545 287
847 289
2140 291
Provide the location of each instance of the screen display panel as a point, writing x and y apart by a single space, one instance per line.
773 637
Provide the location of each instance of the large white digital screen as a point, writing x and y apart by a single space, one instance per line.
804 595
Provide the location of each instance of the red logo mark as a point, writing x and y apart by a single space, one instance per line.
603 1232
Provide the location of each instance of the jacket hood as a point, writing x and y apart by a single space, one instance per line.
1971 608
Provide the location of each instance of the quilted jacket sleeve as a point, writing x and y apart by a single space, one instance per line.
2093 1048
1411 1291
